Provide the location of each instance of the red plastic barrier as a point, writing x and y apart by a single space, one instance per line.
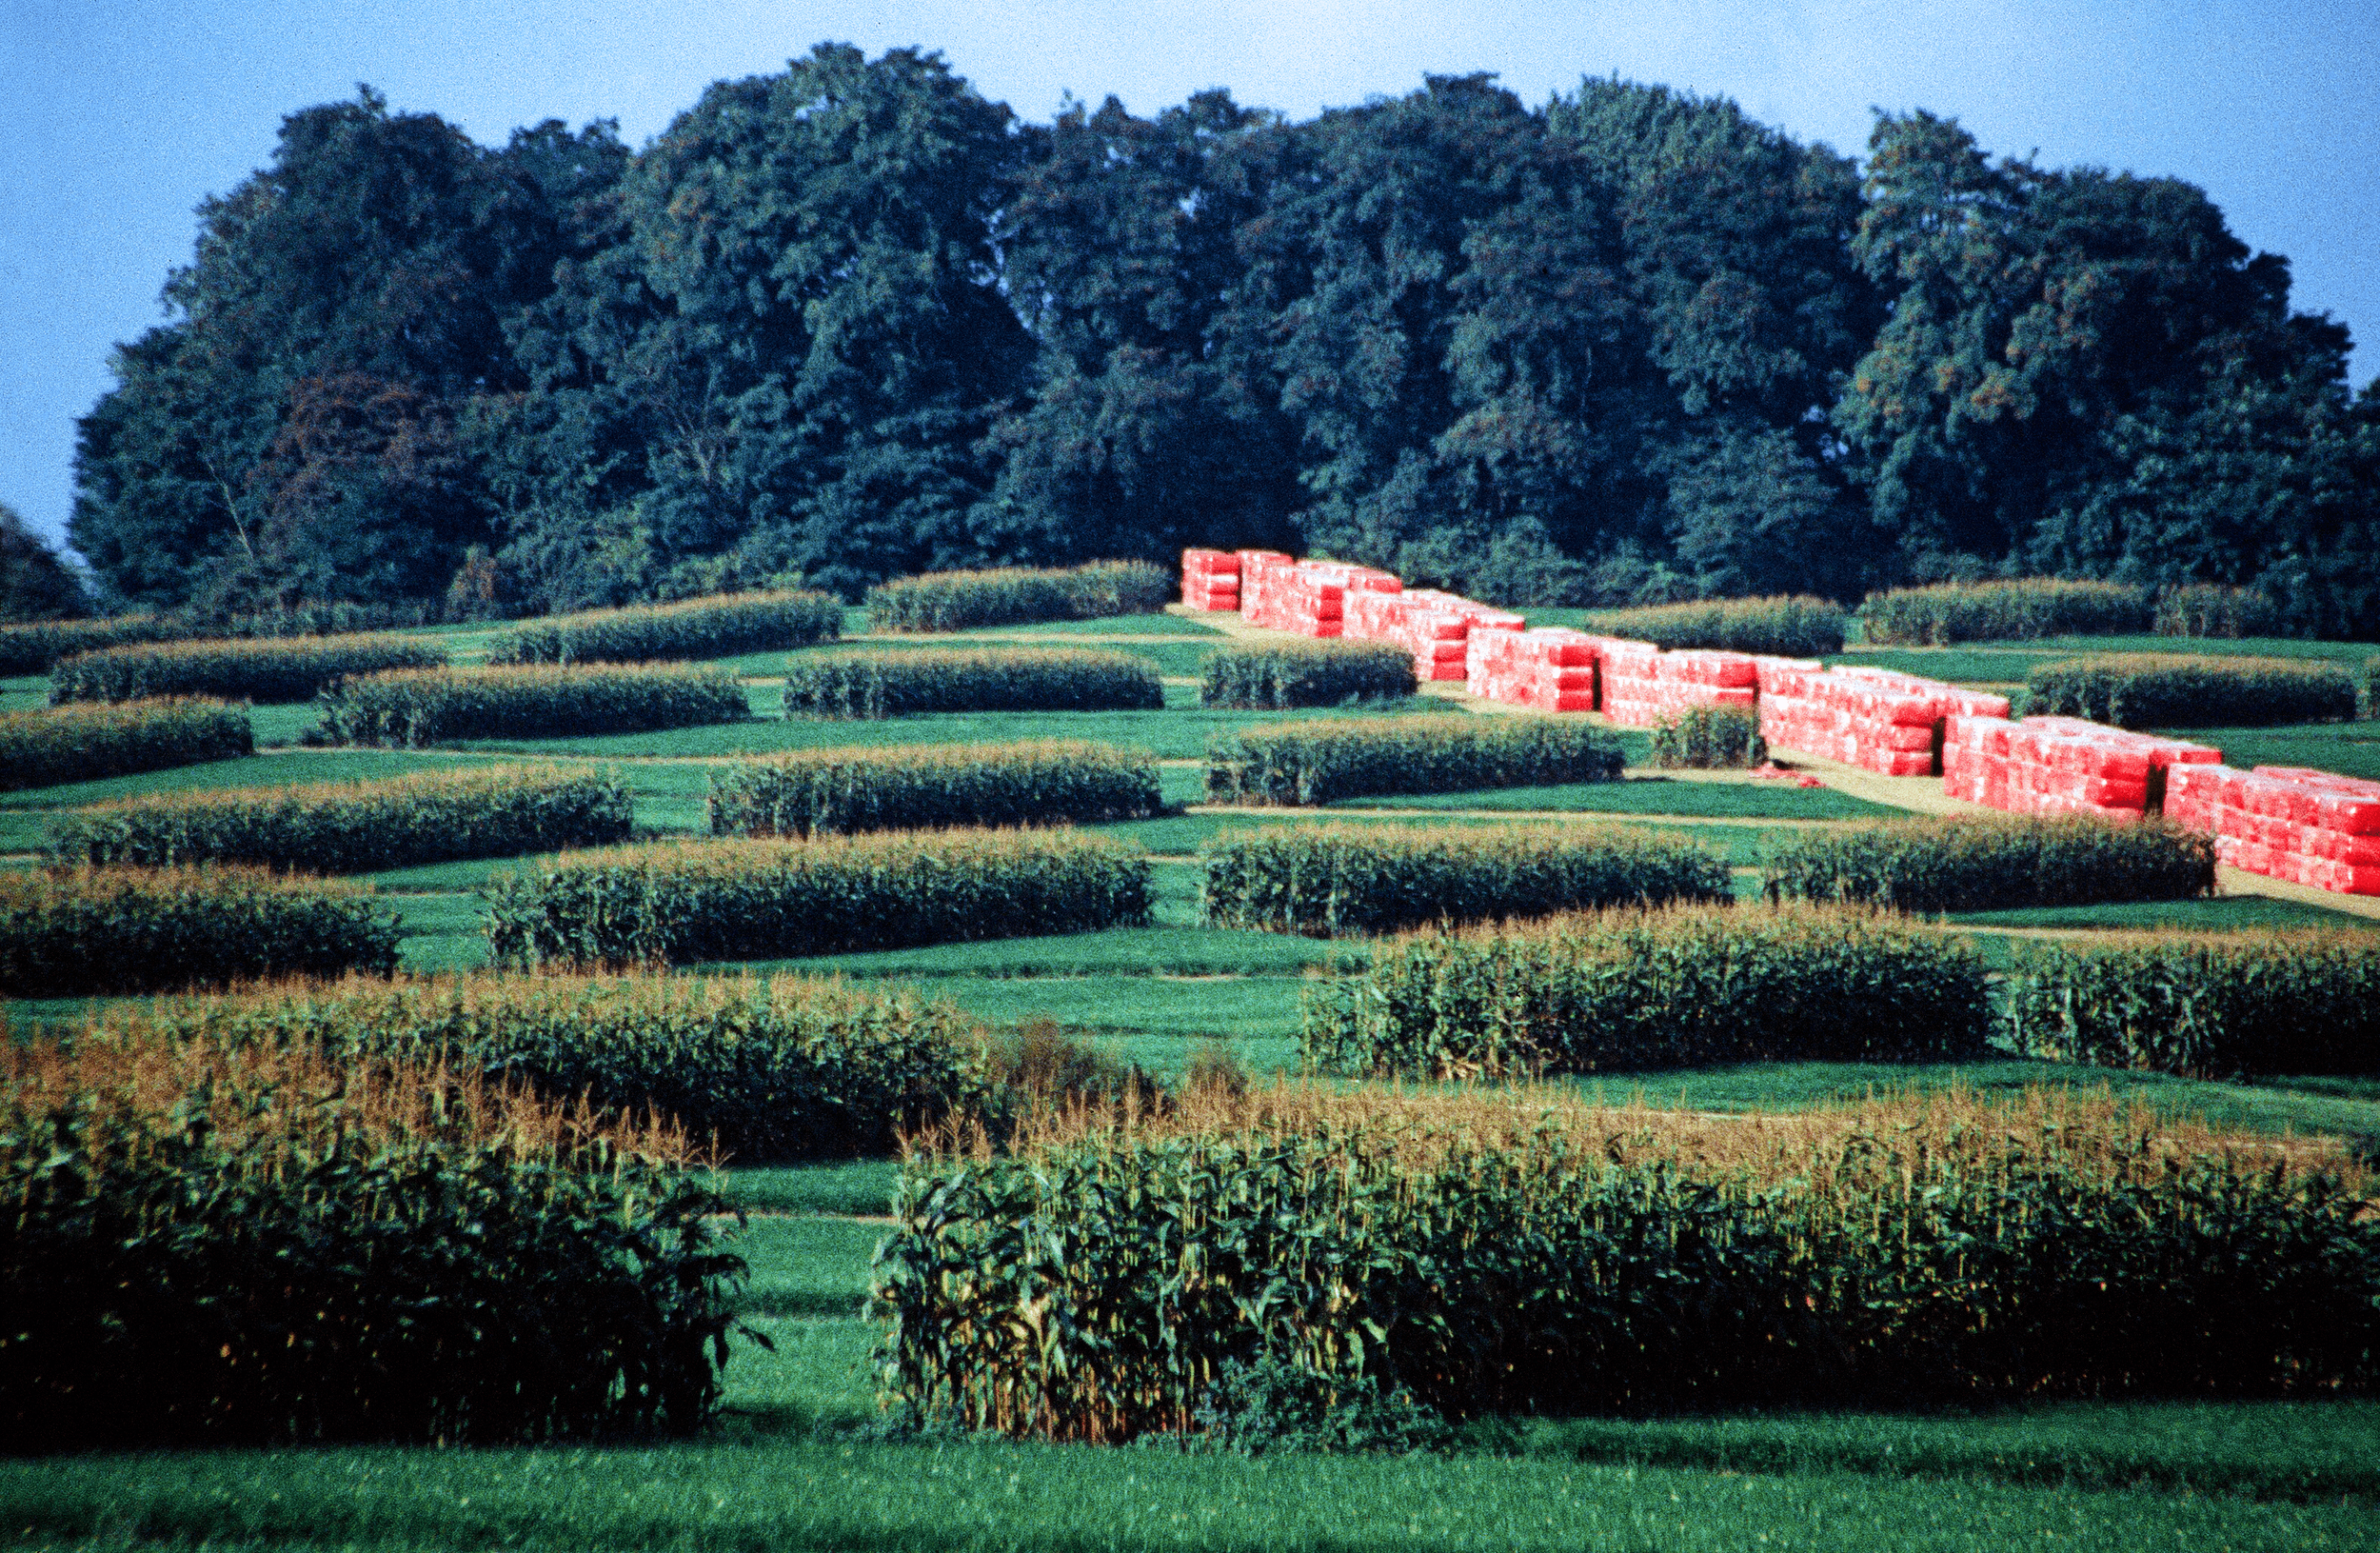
1875 719
1210 580
2065 766
2315 828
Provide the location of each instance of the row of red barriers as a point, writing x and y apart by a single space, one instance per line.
1875 719
1436 627
2304 827
2063 765
1210 579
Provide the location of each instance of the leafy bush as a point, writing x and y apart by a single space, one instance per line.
1318 762
791 1069
264 668
2367 693
1991 865
1330 879
933 787
711 627
1794 626
2206 609
1275 1405
1705 738
1521 1252
85 742
355 827
100 930
954 600
1683 988
210 1238
1327 672
35 647
2017 609
2140 691
2304 1003
413 708
743 900
987 680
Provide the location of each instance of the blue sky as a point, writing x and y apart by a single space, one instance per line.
116 119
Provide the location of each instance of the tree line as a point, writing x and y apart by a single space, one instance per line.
854 320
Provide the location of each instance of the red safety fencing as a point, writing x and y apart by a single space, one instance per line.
2287 823
1873 718
2064 766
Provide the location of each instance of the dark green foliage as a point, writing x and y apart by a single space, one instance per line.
2367 690
413 708
1799 626
355 827
954 600
874 684
1320 762
1709 738
795 1070
35 581
2207 609
115 930
2019 609
1991 865
1520 1257
1274 1406
211 1238
933 787
1334 880
2144 690
83 742
746 900
2304 1003
1690 988
262 668
1326 672
712 628
35 647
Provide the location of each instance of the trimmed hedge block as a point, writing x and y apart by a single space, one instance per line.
901 684
1991 863
2014 609
933 787
747 899
355 827
1305 764
415 707
35 647
1327 880
273 668
2138 690
955 601
87 741
723 626
1683 988
66 934
1782 626
1327 671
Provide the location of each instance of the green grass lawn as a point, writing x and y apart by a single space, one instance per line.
2349 748
2008 662
1654 795
2222 913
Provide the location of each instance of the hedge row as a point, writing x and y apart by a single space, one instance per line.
1331 879
1682 987
1989 864
1318 763
1495 1254
355 827
791 1069
1709 738
748 900
933 787
35 647
263 668
2209 609
85 742
1788 626
2300 1002
415 707
2017 609
1328 672
2138 690
720 626
899 683
954 600
110 930
215 1239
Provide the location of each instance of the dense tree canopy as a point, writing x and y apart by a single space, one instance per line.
35 581
852 320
